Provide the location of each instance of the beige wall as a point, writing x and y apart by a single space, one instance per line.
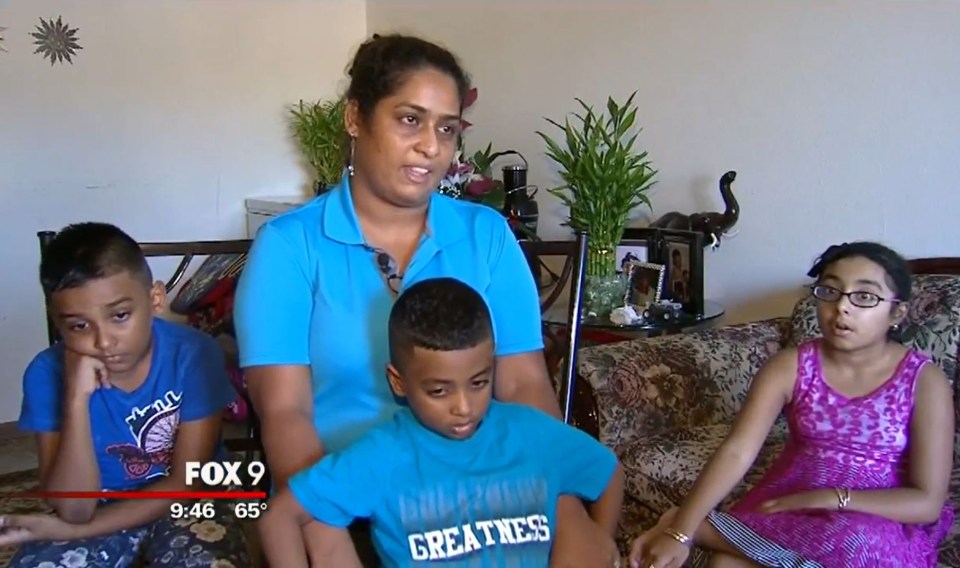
169 117
840 116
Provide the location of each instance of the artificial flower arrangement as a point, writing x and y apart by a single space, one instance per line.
471 179
469 176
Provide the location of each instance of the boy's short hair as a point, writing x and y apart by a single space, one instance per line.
439 314
83 252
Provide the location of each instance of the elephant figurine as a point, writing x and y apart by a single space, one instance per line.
712 224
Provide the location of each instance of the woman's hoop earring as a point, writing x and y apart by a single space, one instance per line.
353 151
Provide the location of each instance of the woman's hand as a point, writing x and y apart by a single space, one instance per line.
816 499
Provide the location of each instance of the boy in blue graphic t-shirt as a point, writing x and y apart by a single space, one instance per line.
456 479
121 403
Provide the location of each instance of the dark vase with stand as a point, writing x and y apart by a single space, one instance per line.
521 209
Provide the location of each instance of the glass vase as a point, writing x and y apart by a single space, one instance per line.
603 288
602 294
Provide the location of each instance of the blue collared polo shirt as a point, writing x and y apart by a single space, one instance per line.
312 294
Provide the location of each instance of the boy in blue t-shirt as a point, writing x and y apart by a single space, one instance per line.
121 403
456 479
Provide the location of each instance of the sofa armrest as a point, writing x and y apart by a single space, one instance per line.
651 386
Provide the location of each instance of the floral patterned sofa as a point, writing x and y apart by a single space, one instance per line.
664 404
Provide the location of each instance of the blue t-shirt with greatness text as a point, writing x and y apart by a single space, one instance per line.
484 502
133 433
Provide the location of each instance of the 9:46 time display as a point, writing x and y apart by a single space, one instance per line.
199 510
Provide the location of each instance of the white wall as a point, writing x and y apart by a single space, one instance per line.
840 116
171 114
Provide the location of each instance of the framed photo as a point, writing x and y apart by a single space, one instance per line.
645 283
681 252
635 246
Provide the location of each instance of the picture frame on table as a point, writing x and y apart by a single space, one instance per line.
637 245
645 284
681 253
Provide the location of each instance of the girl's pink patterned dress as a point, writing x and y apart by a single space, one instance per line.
859 443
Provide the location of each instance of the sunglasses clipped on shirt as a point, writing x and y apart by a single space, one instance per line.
857 298
388 267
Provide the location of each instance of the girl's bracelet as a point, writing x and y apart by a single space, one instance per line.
678 536
843 498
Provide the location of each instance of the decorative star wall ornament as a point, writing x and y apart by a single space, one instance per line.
56 41
1 39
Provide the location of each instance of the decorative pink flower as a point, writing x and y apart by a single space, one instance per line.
480 186
459 171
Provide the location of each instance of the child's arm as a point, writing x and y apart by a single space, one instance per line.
605 511
581 467
931 457
195 442
930 464
335 491
281 535
206 391
67 461
770 390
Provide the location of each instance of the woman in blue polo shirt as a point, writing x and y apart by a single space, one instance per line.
314 298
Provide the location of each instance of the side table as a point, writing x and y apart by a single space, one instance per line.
598 330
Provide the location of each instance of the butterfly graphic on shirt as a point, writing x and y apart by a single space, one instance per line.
154 446
136 462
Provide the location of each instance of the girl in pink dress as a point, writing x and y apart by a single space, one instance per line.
862 480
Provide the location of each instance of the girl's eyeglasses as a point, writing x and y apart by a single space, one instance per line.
859 299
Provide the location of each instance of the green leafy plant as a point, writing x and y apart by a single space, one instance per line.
322 137
604 177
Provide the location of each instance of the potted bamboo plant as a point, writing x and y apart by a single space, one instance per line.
322 138
604 179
